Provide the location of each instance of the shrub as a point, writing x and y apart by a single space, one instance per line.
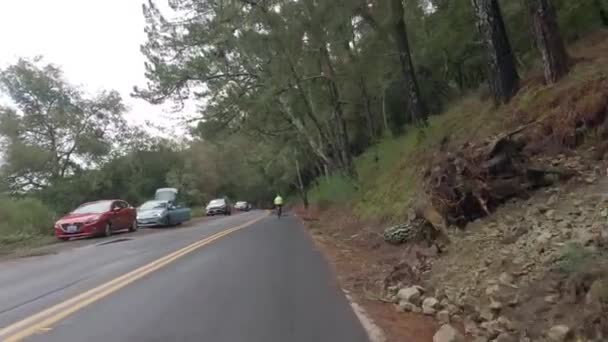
337 189
22 219
576 259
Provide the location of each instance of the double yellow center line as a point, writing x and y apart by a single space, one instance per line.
43 320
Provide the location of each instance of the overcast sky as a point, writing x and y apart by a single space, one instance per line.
96 43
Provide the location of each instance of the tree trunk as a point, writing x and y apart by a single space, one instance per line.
503 77
548 39
417 107
303 193
342 130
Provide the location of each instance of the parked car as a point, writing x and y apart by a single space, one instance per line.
242 206
97 218
162 213
219 206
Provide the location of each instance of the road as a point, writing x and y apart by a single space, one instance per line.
247 277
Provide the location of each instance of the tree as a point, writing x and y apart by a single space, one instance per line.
502 72
53 130
548 39
416 104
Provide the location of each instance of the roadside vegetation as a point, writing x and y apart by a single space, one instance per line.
373 112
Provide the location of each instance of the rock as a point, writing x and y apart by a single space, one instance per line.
470 328
492 290
604 213
552 200
487 315
447 333
506 278
430 305
506 323
406 306
504 337
392 289
410 294
551 299
480 339
559 333
550 214
492 329
543 238
443 317
514 301
495 306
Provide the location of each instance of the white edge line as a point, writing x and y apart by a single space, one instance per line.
374 332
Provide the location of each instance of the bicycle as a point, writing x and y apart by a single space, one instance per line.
279 210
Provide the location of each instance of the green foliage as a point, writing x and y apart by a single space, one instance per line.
24 219
576 259
336 189
52 130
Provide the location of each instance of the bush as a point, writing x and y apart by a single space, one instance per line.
23 219
337 189
576 259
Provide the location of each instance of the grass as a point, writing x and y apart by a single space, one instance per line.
390 173
24 222
335 189
198 212
576 259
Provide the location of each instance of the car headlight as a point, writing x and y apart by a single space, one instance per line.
158 214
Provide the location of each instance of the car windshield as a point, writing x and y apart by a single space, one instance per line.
153 205
241 203
93 208
216 202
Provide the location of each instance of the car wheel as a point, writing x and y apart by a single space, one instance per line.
107 231
134 226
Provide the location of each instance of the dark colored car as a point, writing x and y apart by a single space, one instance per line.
97 218
162 213
242 206
219 206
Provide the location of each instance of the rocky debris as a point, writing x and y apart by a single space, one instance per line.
492 290
410 294
480 339
552 200
506 278
443 317
487 314
495 306
430 305
447 333
505 337
470 328
559 333
505 323
408 307
551 299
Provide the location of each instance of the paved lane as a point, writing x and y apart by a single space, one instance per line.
264 283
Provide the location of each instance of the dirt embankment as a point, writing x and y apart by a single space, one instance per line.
526 217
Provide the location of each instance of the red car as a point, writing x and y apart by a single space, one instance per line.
97 218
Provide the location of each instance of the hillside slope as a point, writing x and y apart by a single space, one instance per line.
533 263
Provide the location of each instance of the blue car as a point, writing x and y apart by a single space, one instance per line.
162 213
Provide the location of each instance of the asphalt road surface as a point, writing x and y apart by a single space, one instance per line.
248 277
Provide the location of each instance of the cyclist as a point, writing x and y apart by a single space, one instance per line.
278 204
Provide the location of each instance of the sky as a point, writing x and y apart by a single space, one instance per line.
95 42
